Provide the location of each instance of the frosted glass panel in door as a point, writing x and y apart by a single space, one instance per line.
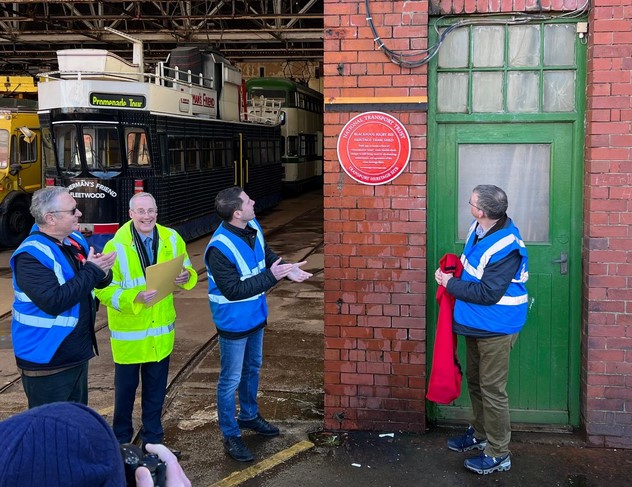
521 170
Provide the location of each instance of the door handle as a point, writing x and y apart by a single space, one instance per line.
563 262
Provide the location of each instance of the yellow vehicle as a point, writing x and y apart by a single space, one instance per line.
20 160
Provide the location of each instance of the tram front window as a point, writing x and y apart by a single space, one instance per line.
102 148
67 146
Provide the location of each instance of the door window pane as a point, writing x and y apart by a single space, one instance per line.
487 92
524 45
452 92
559 91
559 45
522 92
454 50
489 46
521 170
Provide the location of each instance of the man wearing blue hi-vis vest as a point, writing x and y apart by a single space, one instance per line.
241 268
490 310
54 310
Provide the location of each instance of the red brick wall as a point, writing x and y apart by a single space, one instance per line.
375 350
607 323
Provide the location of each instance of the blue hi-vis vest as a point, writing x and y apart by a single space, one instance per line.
245 314
36 334
510 313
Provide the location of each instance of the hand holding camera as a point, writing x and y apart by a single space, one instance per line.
134 458
158 468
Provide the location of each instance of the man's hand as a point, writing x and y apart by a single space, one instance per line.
145 297
297 274
442 278
103 261
175 475
280 270
182 278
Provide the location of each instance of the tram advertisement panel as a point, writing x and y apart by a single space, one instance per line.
97 200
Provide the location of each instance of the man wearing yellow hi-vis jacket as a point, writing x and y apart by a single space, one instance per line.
142 329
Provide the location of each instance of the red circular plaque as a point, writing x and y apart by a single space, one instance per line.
373 148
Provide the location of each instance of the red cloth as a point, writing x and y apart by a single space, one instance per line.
444 385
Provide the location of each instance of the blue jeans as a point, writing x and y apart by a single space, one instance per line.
240 362
154 377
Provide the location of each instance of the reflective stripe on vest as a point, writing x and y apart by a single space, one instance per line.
20 296
121 255
41 322
131 336
48 252
479 270
222 300
244 270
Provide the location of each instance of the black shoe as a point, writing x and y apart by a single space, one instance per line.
237 449
259 425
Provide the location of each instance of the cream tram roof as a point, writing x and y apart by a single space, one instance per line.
99 79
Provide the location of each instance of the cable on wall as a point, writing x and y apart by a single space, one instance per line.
411 60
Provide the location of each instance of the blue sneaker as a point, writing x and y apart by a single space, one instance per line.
484 465
466 442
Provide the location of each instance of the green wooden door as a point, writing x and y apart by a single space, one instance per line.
533 163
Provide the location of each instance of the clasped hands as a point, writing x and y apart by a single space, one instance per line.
102 261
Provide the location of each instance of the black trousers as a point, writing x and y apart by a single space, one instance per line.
70 385
154 388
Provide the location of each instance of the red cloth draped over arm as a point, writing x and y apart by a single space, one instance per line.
444 385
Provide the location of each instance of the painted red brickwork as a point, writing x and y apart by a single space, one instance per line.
607 324
375 345
375 254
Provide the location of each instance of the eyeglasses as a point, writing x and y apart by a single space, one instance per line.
72 212
470 203
142 211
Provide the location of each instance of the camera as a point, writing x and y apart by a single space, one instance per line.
133 457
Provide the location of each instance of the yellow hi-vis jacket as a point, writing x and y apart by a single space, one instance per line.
140 334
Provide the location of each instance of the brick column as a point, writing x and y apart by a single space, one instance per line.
375 330
606 407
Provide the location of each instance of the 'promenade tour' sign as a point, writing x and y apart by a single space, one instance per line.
373 148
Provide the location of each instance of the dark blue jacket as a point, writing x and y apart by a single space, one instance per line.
41 285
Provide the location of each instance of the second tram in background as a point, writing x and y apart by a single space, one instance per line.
110 130
20 157
302 129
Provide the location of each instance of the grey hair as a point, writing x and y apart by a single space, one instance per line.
141 195
44 201
491 200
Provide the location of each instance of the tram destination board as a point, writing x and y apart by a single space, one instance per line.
118 101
